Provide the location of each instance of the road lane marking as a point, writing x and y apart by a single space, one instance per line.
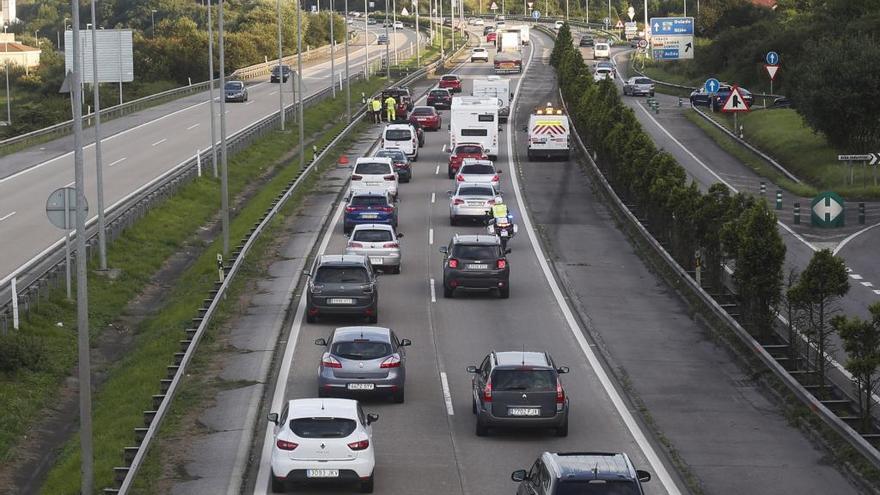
867 284
433 292
117 162
447 395
855 276
431 236
437 170
157 143
877 291
192 127
248 103
851 237
616 399
433 196
4 217
71 184
273 93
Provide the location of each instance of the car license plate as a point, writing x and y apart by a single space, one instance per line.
523 411
341 301
361 386
322 473
376 260
475 203
504 233
370 215
478 266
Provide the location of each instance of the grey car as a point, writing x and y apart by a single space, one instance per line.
235 91
379 243
342 285
363 360
637 85
471 201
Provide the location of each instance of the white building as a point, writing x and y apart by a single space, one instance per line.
15 53
7 12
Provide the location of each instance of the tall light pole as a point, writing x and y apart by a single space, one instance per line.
332 53
153 23
415 4
299 86
347 80
211 90
366 43
8 99
224 176
440 3
82 288
280 71
387 45
99 168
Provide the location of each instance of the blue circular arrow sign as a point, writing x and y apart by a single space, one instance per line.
712 85
772 58
536 14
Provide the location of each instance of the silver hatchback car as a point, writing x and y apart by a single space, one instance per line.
471 201
363 360
379 243
476 171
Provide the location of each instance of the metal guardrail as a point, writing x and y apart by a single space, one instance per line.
191 346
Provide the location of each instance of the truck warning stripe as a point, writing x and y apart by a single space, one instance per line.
548 129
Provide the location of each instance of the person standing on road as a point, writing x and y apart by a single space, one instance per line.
376 107
391 108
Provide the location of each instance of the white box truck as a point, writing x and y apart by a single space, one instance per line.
509 56
523 32
549 134
474 120
495 87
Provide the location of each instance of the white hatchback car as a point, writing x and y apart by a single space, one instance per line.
558 25
374 173
403 137
398 25
479 53
474 171
323 440
603 73
378 242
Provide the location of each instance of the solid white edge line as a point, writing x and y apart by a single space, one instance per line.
430 236
70 184
846 241
433 292
627 417
447 394
286 365
4 217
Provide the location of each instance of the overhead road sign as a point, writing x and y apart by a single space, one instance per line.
827 210
772 70
712 85
772 58
676 26
735 102
114 51
672 38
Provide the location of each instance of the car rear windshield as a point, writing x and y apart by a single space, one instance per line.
439 92
322 427
361 350
476 191
470 149
368 201
423 111
393 154
475 252
398 135
524 379
478 168
596 487
372 236
341 275
372 168
643 81
234 85
450 78
601 46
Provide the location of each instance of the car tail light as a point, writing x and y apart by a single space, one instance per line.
330 362
388 177
487 391
349 209
391 245
560 396
501 264
386 209
460 178
453 263
458 201
495 178
355 245
285 445
359 445
393 361
356 177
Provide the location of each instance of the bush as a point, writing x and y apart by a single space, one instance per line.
19 352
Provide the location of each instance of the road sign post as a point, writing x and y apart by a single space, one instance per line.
827 210
872 159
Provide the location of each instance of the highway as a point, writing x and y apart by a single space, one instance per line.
138 149
428 445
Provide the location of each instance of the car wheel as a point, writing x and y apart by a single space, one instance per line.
367 486
374 318
395 270
481 429
504 293
447 292
562 431
453 221
473 405
450 173
278 486
399 396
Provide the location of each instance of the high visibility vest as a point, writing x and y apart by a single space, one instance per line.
499 211
377 105
390 102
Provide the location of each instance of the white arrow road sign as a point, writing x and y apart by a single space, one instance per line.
735 102
874 158
829 207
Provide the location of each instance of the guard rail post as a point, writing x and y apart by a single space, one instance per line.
797 213
779 199
861 213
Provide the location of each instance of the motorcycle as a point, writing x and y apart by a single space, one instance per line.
504 228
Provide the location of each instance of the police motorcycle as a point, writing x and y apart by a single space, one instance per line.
503 227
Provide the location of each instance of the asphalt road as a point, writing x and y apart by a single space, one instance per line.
138 149
428 445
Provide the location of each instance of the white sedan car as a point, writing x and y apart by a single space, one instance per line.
479 53
398 25
322 440
603 73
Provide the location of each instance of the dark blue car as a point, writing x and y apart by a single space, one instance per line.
400 161
700 97
369 207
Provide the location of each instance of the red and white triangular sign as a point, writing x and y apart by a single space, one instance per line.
772 69
735 102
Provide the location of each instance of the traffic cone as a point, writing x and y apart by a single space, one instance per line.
343 160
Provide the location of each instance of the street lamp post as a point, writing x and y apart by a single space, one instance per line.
387 45
332 53
224 176
366 42
280 71
347 80
418 36
99 168
211 90
299 86
153 23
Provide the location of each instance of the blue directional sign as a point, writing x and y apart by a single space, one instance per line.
672 26
667 54
772 58
536 14
712 85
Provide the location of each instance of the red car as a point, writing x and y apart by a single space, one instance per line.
450 82
427 117
440 97
491 37
462 151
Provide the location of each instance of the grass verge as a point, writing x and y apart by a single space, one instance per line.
139 252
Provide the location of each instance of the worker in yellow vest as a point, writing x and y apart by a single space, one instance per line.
376 108
391 108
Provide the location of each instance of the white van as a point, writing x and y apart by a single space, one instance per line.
474 120
401 137
602 50
374 173
549 134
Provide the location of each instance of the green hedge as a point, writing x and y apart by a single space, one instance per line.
737 229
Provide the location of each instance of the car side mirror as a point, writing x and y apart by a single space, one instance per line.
405 342
499 127
307 275
643 476
472 369
507 251
444 249
273 418
321 341
449 193
372 418
499 171
518 475
562 370
525 128
400 235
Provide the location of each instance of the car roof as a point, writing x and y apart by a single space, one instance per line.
373 159
521 358
426 107
440 89
475 161
476 239
457 145
348 334
318 408
373 226
480 185
398 127
342 259
590 465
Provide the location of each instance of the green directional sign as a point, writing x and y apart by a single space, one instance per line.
826 210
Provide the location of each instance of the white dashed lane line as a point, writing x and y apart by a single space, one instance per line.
437 170
431 236
157 143
447 395
433 292
860 279
433 196
117 162
192 127
8 215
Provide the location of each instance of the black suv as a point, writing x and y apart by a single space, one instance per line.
342 284
475 262
519 389
280 73
581 473
586 40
